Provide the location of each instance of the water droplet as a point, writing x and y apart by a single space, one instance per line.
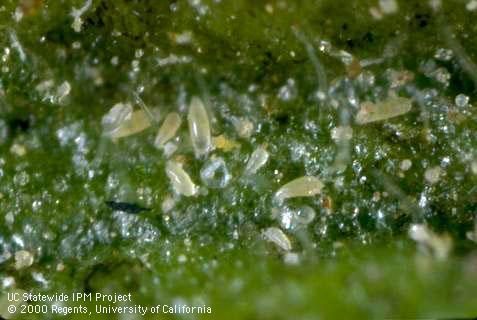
286 217
305 215
36 205
21 178
471 5
433 174
115 61
293 218
443 54
138 53
442 75
63 91
461 100
288 91
325 46
18 149
342 133
473 166
215 174
23 259
169 149
366 79
8 282
168 204
291 258
184 37
388 6
39 277
405 165
243 126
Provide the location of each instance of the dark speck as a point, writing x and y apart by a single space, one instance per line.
126 207
282 119
422 19
18 125
350 43
369 37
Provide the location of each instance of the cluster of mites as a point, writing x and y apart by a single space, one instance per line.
122 121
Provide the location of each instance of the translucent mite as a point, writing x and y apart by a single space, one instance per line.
180 180
168 130
138 122
278 237
112 121
389 108
257 160
199 127
306 186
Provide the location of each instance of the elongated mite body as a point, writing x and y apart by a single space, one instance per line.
168 130
121 121
199 127
138 122
306 186
257 160
116 117
276 236
389 108
180 180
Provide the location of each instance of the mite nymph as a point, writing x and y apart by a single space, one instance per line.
257 160
168 129
301 187
389 108
277 236
180 180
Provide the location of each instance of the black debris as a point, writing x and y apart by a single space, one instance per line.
126 207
